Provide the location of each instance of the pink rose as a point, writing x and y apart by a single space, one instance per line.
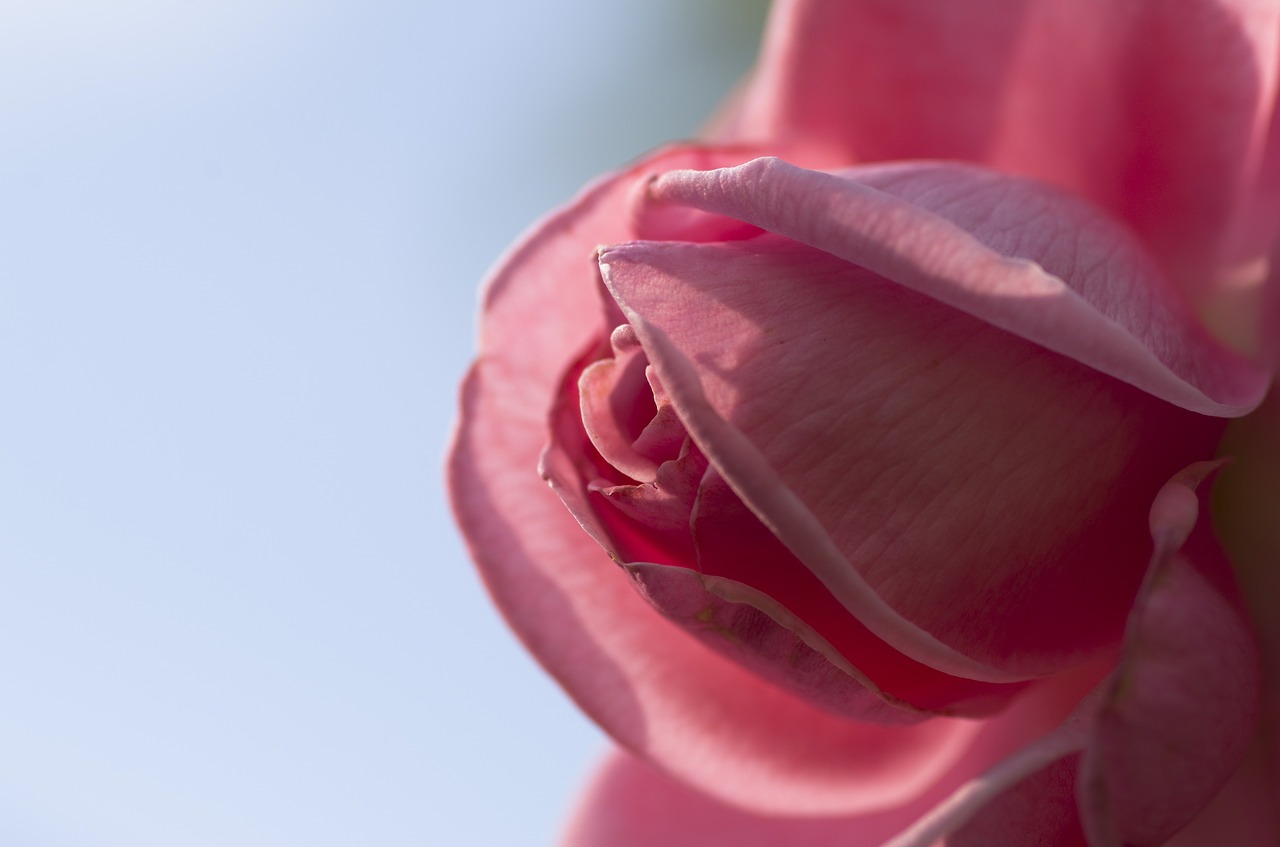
852 487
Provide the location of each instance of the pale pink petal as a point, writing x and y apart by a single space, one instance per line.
890 442
630 804
1014 253
1161 118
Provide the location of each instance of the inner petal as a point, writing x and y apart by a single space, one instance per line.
617 405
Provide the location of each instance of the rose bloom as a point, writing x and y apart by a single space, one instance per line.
851 466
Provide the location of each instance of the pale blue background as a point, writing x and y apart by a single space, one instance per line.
239 247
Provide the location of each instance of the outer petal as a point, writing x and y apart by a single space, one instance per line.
630 803
1161 118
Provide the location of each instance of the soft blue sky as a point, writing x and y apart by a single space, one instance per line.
239 247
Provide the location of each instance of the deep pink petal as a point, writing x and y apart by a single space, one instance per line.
1014 253
890 441
1161 118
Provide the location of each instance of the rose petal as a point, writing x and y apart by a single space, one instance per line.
1161 118
656 528
872 430
613 429
963 236
630 803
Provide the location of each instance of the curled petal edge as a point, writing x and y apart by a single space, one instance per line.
924 251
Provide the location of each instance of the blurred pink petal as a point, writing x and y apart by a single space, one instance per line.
1164 119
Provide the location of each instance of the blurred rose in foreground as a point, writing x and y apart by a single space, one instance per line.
848 467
